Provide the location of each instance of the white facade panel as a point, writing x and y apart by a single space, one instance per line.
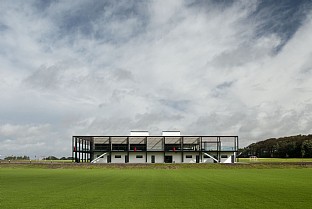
103 159
176 156
137 157
118 157
187 156
171 133
226 157
139 133
207 159
158 156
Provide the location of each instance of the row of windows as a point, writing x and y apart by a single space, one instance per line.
186 156
222 156
205 156
137 156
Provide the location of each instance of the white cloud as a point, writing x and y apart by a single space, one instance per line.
78 68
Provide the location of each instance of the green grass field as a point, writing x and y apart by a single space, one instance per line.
30 187
275 160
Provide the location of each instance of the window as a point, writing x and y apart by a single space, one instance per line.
139 156
224 156
188 156
205 156
117 156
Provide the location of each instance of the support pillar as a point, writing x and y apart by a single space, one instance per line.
145 141
182 154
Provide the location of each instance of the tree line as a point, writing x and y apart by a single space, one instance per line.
283 147
28 158
17 158
55 158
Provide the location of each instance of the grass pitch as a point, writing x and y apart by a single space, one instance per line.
275 160
29 187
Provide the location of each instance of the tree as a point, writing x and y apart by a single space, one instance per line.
50 158
291 146
306 148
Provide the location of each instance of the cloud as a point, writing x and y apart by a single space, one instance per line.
202 67
30 140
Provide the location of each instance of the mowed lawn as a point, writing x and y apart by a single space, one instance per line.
275 160
155 188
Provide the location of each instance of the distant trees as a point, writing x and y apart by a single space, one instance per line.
12 157
66 158
17 158
55 158
291 146
50 158
306 148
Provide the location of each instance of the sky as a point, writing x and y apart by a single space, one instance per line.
207 67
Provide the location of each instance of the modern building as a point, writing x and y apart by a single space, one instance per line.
140 147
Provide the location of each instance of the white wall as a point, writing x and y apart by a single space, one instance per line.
159 157
101 160
190 160
209 160
228 158
139 133
133 159
176 156
118 160
171 133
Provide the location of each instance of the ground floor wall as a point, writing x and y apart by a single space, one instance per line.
137 157
155 157
165 157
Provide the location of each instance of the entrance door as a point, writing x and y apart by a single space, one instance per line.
197 158
108 158
168 159
126 159
153 158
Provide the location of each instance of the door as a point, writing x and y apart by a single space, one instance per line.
126 159
108 158
168 159
197 158
153 158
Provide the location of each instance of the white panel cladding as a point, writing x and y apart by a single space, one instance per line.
159 157
190 154
115 157
207 159
171 133
133 157
226 157
176 156
102 159
139 133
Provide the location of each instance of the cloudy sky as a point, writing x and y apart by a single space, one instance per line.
107 67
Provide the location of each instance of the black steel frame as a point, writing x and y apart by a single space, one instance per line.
83 146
